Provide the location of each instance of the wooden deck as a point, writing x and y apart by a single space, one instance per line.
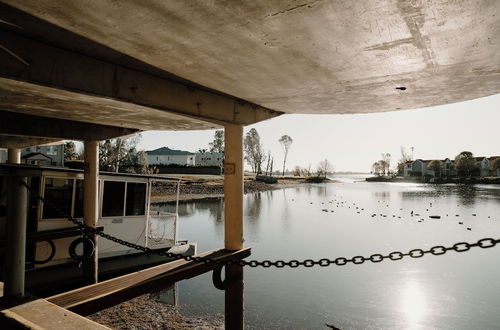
41 314
93 298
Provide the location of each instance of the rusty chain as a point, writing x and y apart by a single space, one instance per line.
437 250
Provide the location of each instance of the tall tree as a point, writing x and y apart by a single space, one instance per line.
217 145
436 166
495 166
465 164
378 168
324 168
286 142
405 157
386 162
254 152
121 155
70 152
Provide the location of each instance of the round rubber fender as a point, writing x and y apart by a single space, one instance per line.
51 255
88 245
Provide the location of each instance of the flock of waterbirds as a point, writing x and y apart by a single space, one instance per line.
419 216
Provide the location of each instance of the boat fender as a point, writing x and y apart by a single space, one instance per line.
88 245
217 280
51 255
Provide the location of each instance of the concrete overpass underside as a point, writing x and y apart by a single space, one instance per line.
183 65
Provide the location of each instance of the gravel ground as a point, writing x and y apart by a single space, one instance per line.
144 313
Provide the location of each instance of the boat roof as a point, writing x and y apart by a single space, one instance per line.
37 168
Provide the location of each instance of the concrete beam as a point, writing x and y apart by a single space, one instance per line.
27 126
14 142
28 60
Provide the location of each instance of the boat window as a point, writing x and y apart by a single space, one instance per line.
136 198
78 212
112 201
57 198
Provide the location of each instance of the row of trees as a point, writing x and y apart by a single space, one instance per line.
115 155
255 154
322 170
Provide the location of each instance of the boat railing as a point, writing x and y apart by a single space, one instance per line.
162 229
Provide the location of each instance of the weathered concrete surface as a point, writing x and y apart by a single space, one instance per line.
304 56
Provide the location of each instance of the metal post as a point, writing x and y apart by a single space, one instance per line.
15 249
233 187
233 297
90 205
14 156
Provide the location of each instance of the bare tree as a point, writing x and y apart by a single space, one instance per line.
217 145
386 162
324 168
378 168
286 142
405 157
254 152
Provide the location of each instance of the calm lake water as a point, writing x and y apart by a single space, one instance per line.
454 291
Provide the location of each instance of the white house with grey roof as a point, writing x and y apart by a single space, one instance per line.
167 156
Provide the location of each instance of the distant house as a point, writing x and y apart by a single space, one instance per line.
209 158
43 155
419 168
167 156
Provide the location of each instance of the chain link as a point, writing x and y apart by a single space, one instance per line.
438 250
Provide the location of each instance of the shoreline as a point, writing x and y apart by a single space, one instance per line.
484 180
212 188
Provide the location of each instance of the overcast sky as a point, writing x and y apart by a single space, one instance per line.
354 142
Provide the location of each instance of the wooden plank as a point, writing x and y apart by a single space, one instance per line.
41 314
92 298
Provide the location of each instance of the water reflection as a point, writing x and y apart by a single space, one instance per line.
382 194
253 204
413 304
292 224
467 194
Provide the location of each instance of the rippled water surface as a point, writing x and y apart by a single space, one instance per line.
454 291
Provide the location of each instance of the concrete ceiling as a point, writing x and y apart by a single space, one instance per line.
316 57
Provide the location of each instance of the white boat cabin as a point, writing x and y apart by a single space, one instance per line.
56 194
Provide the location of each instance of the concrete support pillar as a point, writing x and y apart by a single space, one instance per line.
90 205
15 248
14 156
233 187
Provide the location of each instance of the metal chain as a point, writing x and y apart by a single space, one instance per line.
437 250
